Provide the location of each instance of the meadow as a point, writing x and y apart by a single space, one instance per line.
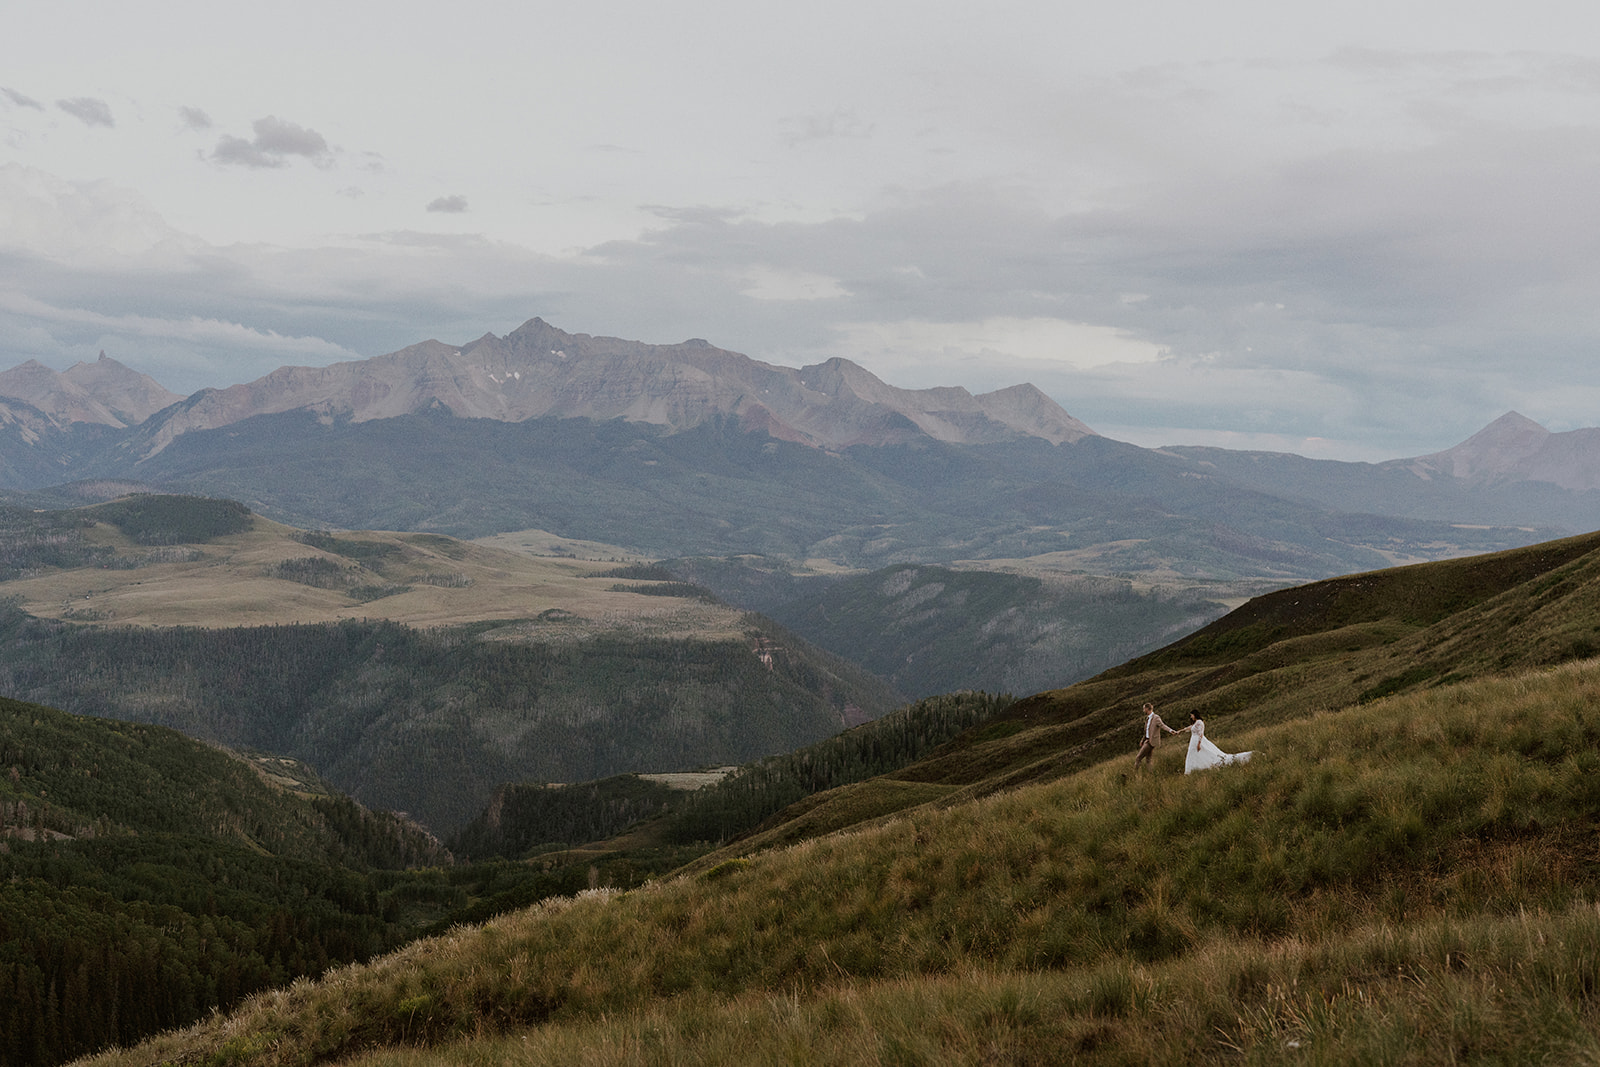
265 573
1409 879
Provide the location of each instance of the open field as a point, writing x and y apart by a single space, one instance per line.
416 579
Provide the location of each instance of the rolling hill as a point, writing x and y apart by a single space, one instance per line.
1404 873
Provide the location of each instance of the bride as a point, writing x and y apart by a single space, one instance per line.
1202 753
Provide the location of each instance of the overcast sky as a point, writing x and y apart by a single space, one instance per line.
1351 230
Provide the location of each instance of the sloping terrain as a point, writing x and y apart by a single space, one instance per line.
1405 872
1293 654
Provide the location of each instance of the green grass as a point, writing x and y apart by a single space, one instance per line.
1406 880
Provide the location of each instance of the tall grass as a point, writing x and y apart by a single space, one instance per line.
1513 989
1417 859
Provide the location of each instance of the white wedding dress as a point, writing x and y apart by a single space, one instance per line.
1204 755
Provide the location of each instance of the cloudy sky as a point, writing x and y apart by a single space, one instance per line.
1354 230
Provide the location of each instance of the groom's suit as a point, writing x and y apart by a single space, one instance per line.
1153 726
1152 729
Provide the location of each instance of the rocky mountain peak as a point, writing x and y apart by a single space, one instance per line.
1493 450
1515 448
104 392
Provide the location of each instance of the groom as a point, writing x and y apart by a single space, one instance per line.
1152 735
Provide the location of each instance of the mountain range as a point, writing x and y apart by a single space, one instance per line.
538 371
691 450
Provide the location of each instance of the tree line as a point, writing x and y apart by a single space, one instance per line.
521 819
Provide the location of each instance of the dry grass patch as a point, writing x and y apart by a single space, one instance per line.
259 577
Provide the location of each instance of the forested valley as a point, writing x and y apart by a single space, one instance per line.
429 722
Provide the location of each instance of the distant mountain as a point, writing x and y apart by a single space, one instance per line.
1513 449
1513 471
538 371
103 393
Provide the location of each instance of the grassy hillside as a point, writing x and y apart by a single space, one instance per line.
1298 651
1400 880
1404 873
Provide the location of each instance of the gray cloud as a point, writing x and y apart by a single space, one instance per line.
450 205
90 110
194 118
20 99
841 122
275 141
285 138
236 151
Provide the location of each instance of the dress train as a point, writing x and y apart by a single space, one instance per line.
1203 755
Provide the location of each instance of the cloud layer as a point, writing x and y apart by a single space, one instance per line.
1319 236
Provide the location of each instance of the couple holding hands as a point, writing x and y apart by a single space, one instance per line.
1202 753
